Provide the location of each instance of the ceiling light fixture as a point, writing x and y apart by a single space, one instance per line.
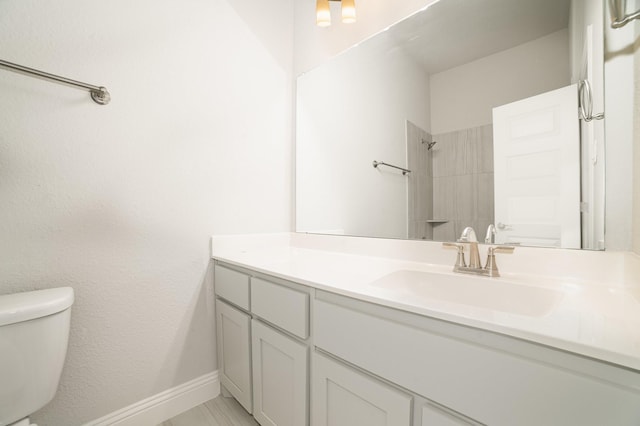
323 14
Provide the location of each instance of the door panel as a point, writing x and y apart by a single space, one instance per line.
234 352
343 396
537 170
279 378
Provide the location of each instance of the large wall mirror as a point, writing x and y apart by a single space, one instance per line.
483 112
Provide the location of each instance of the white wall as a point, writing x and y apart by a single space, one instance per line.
619 71
119 201
636 144
464 97
349 115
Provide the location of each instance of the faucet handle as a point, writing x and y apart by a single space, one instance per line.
460 262
448 244
500 249
491 267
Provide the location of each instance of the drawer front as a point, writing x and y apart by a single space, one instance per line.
485 384
281 306
232 286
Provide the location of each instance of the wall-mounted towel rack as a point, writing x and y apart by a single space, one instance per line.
382 163
99 94
618 18
585 102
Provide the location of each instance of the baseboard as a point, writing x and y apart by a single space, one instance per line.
158 408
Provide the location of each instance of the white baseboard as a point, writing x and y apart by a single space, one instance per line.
158 408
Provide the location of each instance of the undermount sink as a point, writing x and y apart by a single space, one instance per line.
494 294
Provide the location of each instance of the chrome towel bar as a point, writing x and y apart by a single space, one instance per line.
99 94
585 102
382 163
618 17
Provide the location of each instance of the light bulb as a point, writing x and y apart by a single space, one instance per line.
323 14
348 11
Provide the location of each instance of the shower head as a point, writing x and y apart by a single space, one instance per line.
429 144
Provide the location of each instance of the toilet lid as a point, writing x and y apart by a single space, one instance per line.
28 305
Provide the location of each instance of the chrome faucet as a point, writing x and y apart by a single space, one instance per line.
475 267
490 238
469 237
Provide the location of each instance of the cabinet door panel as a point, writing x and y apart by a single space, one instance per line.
434 416
343 396
234 352
279 378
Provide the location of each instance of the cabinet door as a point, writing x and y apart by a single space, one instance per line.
234 352
435 416
279 378
342 396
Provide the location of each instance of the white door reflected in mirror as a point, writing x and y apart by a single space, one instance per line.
536 149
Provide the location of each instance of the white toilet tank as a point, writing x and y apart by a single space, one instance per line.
34 332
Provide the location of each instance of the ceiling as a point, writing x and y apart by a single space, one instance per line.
449 33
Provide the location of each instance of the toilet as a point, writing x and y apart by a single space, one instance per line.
34 332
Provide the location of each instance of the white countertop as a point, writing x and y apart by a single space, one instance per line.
598 318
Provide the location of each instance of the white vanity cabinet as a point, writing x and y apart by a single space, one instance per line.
263 353
298 355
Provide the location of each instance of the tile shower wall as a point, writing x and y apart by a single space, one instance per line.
463 182
420 197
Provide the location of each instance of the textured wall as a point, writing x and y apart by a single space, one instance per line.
119 201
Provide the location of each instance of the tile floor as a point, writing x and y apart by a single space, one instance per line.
217 412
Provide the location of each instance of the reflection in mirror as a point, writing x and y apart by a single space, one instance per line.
479 100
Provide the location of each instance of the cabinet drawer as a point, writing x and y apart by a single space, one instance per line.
232 286
281 306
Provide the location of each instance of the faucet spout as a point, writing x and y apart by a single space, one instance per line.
469 236
475 267
490 238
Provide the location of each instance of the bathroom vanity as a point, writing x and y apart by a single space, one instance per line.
355 331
